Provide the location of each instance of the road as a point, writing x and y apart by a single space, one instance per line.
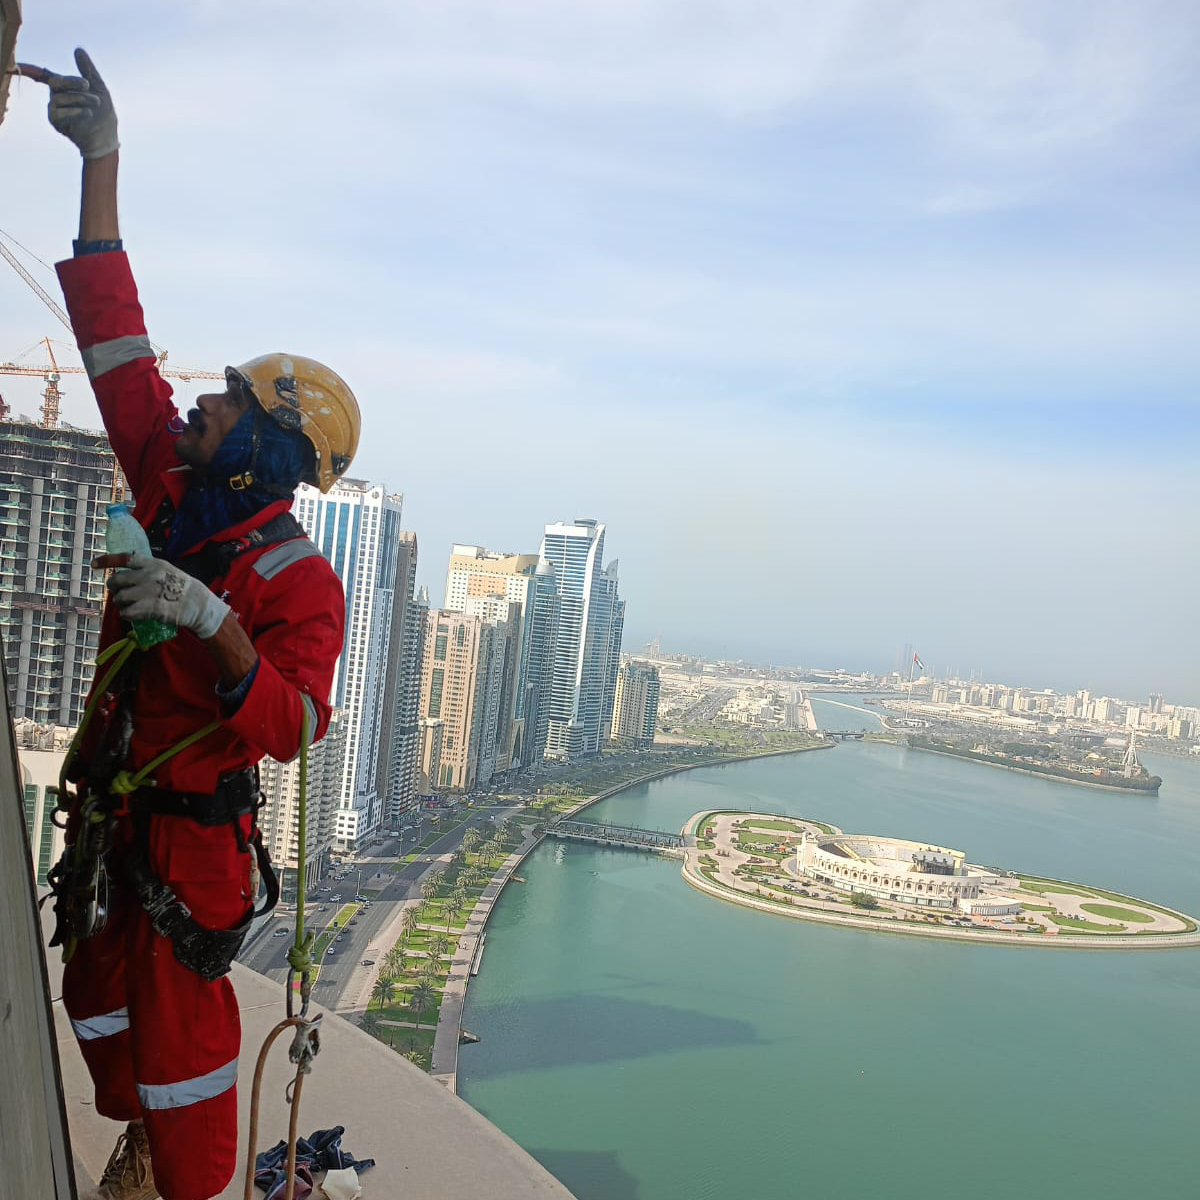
267 954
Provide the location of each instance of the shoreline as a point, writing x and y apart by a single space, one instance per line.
447 1071
1061 941
1103 787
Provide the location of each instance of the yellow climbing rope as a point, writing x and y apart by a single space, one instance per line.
306 1043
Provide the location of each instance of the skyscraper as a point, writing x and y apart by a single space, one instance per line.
54 485
280 816
400 734
589 633
458 687
356 525
474 573
635 705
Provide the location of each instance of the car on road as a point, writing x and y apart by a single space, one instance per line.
367 962
280 933
353 922
339 937
335 899
360 899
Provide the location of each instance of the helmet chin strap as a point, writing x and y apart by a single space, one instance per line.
247 478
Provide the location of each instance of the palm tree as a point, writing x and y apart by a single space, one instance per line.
429 888
438 877
408 923
430 969
439 946
393 962
369 1023
416 1057
422 999
471 838
383 990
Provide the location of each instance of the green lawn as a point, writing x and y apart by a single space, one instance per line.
1118 914
751 838
787 826
1087 926
1037 907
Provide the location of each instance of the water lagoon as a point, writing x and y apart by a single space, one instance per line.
647 1043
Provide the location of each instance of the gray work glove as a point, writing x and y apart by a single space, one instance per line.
82 110
150 587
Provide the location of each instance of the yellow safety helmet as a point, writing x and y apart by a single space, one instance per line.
305 395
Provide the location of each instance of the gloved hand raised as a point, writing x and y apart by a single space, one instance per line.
81 108
151 588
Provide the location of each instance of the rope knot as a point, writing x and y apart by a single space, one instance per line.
300 957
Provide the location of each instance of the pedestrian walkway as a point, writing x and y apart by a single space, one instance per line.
444 1066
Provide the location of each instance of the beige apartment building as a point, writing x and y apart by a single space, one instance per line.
476 579
464 669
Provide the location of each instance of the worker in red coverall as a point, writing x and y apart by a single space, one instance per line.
155 1016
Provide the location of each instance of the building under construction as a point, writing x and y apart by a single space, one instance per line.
54 485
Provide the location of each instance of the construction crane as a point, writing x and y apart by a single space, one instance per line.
52 374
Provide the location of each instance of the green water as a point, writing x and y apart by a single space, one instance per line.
647 1042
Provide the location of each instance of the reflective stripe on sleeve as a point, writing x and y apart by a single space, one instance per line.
188 1091
104 1025
104 356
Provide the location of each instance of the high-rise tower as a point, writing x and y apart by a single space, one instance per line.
517 578
590 622
635 705
54 485
356 525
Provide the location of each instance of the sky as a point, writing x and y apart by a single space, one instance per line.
858 322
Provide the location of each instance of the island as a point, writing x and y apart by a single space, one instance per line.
800 867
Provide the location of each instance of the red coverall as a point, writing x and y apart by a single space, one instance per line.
160 1042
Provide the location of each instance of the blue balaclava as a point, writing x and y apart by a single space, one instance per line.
277 459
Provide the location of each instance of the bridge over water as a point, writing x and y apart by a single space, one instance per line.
632 837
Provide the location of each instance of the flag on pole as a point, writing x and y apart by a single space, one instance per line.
917 661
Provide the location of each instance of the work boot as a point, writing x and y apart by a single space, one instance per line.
129 1175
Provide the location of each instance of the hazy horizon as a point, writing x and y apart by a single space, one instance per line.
858 325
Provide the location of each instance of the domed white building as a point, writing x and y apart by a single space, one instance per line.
894 869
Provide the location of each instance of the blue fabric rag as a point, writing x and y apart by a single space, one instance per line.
322 1151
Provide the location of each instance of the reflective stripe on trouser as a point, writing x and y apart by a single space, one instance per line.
87 1029
188 1091
184 1033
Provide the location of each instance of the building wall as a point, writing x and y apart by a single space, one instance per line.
356 525
635 705
39 770
54 486
938 891
429 761
399 738
583 653
476 573
280 816
452 688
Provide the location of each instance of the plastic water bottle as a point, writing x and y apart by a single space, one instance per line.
125 535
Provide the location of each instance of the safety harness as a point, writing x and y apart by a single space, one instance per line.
79 880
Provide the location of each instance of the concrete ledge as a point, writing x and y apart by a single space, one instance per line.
427 1143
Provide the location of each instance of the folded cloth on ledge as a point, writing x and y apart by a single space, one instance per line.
322 1151
341 1185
